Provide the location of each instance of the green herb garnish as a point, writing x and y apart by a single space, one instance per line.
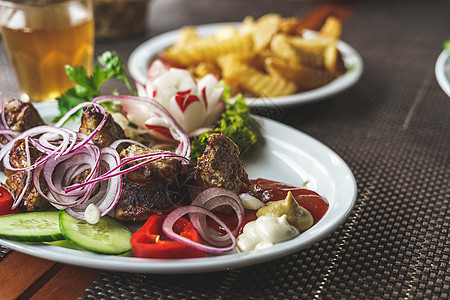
88 87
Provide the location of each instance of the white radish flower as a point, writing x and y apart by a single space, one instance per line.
194 105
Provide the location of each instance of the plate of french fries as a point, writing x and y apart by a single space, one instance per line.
270 61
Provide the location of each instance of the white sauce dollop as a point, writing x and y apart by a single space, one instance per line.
264 232
92 214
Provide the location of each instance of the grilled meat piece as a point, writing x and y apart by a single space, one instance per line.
109 133
20 116
16 181
152 189
18 156
219 166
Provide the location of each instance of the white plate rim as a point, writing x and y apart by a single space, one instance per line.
442 60
138 62
343 191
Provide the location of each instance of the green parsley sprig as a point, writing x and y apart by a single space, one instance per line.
88 87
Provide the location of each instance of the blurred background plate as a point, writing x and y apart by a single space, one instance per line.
143 55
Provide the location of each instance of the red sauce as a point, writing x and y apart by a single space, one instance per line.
273 191
231 220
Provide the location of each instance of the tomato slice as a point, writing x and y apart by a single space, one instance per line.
6 201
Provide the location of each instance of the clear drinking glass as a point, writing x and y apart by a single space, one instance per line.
41 37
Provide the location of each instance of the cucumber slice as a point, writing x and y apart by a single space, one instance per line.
108 236
42 226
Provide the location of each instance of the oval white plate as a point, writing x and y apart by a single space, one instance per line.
285 155
442 72
142 56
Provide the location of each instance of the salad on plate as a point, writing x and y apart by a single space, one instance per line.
153 174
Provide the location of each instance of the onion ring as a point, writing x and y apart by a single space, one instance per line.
210 199
169 221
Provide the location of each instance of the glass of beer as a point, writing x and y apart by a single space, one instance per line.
41 37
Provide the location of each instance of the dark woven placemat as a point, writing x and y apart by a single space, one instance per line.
393 129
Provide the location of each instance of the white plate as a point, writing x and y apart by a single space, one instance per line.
143 55
285 155
442 71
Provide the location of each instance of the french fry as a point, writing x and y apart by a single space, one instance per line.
282 47
304 77
255 81
265 28
311 52
264 85
204 68
267 57
261 30
225 32
333 60
208 49
247 25
249 58
331 29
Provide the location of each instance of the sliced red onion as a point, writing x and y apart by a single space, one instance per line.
5 151
55 169
8 134
74 110
50 142
116 144
68 153
178 133
109 191
170 220
118 171
87 139
210 199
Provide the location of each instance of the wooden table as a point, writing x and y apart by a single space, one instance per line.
24 276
